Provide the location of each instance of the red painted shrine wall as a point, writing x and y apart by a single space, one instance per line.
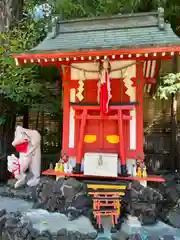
91 92
103 128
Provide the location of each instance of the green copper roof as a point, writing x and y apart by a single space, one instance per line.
122 31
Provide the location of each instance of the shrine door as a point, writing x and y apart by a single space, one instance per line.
102 135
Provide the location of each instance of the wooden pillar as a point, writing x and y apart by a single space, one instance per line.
139 111
121 143
66 107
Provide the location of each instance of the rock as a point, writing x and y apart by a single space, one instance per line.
57 186
153 238
135 237
145 194
62 234
4 235
119 235
44 189
71 235
49 195
168 209
168 237
173 218
169 178
34 232
2 219
79 235
46 235
55 203
102 238
92 235
11 222
171 194
2 222
147 218
137 186
17 214
32 193
134 194
24 232
144 203
84 236
70 188
11 182
2 212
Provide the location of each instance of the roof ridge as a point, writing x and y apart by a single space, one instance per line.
118 16
117 32
107 29
156 19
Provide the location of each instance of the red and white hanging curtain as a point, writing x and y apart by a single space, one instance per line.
105 88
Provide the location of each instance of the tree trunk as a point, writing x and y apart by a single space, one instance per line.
174 138
7 126
11 12
37 120
26 117
174 132
42 128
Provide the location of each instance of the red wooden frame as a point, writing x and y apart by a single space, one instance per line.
66 107
99 53
68 84
82 131
139 111
139 81
130 178
119 117
97 108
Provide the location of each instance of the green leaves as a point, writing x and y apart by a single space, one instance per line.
23 85
3 120
89 8
169 84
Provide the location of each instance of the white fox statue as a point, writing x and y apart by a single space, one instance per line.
28 143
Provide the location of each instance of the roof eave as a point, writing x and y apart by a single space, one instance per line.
99 52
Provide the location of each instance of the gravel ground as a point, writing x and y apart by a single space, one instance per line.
13 205
42 220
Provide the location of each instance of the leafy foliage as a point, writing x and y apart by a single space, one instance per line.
169 84
88 8
24 85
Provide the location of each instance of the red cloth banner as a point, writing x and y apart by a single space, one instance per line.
105 92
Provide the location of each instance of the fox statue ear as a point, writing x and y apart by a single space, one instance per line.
19 130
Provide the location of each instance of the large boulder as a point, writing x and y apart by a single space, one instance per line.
169 208
64 196
143 203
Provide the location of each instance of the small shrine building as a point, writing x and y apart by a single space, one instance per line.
106 64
